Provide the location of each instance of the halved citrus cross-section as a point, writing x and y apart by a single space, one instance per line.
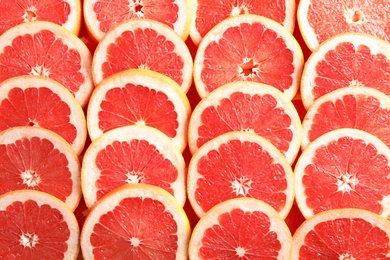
42 102
37 225
344 168
241 228
136 221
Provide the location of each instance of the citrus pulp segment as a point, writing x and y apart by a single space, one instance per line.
344 168
248 48
38 159
319 20
66 13
357 107
343 234
132 154
344 60
42 102
241 228
101 16
136 221
250 107
208 13
139 97
49 50
143 44
239 164
37 225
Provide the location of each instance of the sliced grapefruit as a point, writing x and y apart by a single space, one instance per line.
357 107
239 164
241 228
37 225
136 221
344 168
208 13
49 50
248 47
139 97
343 234
344 60
66 13
319 20
251 107
101 16
143 44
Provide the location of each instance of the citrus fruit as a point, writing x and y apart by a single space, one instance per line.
49 50
344 168
42 102
139 97
343 234
239 164
36 225
347 59
66 13
143 44
101 16
248 47
208 13
250 107
357 107
241 228
136 221
132 154
319 20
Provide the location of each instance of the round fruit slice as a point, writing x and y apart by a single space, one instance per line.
38 159
250 107
49 50
241 228
42 102
343 234
319 20
357 107
251 48
208 13
143 44
239 164
347 59
132 154
139 97
136 221
101 16
344 168
37 225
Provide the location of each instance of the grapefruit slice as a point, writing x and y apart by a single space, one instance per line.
139 97
132 154
343 234
251 48
241 228
37 225
250 107
101 16
42 102
136 221
319 20
208 13
38 159
357 107
239 164
143 44
344 168
66 13
49 50
347 59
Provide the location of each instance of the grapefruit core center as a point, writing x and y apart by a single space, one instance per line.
30 14
28 240
347 183
30 178
39 71
237 10
346 257
240 252
241 186
135 242
137 7
133 177
354 16
249 68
